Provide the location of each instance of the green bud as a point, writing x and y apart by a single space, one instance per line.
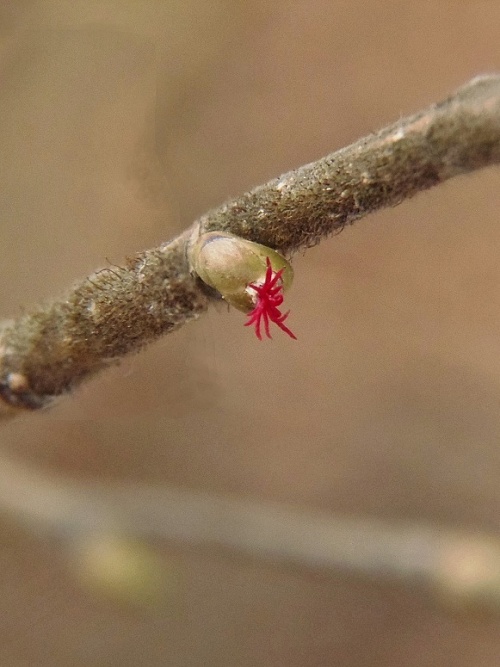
123 568
229 264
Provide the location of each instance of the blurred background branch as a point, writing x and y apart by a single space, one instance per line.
109 518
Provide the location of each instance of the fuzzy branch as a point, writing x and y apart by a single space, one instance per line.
118 310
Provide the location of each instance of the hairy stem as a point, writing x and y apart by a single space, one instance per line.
118 310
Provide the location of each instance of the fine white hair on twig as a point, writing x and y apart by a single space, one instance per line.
114 312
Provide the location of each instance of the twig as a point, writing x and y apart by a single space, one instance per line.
464 567
113 313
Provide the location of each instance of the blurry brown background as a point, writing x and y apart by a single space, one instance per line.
120 122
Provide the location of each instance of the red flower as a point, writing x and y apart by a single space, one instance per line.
269 298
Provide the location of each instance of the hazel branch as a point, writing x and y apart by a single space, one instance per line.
118 310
